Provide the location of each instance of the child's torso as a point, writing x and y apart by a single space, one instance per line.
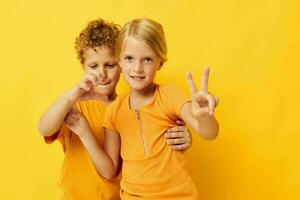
151 169
79 178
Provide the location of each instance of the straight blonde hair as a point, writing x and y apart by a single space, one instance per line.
146 30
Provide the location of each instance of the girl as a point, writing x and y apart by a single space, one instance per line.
136 122
74 118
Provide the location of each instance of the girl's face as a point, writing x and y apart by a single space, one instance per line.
139 64
102 59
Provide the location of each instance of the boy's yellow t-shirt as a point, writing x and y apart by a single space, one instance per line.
79 179
151 169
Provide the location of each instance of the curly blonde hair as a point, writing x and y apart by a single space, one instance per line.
97 33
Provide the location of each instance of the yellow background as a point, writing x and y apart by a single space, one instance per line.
252 47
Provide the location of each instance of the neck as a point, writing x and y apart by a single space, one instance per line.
105 99
138 98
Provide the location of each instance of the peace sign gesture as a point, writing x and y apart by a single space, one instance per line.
203 103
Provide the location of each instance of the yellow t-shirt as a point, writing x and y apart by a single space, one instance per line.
151 169
79 179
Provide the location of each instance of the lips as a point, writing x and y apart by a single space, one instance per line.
106 83
137 78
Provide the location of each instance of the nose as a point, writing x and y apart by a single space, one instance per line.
138 67
103 74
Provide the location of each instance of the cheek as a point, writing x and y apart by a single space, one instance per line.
114 75
151 71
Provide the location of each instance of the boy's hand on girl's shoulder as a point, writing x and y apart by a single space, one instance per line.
77 122
203 103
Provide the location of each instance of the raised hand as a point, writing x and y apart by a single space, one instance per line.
203 103
84 89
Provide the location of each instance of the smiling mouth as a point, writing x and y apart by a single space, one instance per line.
104 83
137 78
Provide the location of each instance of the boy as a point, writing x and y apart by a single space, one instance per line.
75 119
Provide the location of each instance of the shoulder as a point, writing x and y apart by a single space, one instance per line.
170 89
118 103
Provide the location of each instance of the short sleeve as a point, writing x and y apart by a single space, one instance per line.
63 136
108 121
174 98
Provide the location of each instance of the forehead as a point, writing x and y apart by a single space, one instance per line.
137 46
99 54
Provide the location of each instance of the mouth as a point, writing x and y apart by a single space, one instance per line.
137 78
106 83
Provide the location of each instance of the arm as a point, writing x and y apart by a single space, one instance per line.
199 112
53 118
207 126
106 160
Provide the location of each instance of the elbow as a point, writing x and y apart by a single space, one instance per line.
212 134
109 176
43 130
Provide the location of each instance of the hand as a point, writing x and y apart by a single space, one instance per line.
84 89
179 137
77 123
203 103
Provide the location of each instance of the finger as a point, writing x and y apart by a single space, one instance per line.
177 141
181 147
73 110
90 77
211 104
191 83
202 112
179 134
69 120
204 80
176 129
180 122
216 100
84 86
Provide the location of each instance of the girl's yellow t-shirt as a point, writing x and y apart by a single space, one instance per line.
79 179
151 169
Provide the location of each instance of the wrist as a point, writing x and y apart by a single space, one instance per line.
72 95
205 118
85 134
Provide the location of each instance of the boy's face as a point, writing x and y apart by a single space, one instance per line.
101 59
139 64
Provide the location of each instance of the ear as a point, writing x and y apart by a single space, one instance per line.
160 65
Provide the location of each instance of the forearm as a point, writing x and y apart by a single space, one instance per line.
52 119
101 160
207 127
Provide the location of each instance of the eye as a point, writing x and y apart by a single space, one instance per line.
128 58
147 59
93 66
110 65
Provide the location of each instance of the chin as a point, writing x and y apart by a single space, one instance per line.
103 91
137 87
